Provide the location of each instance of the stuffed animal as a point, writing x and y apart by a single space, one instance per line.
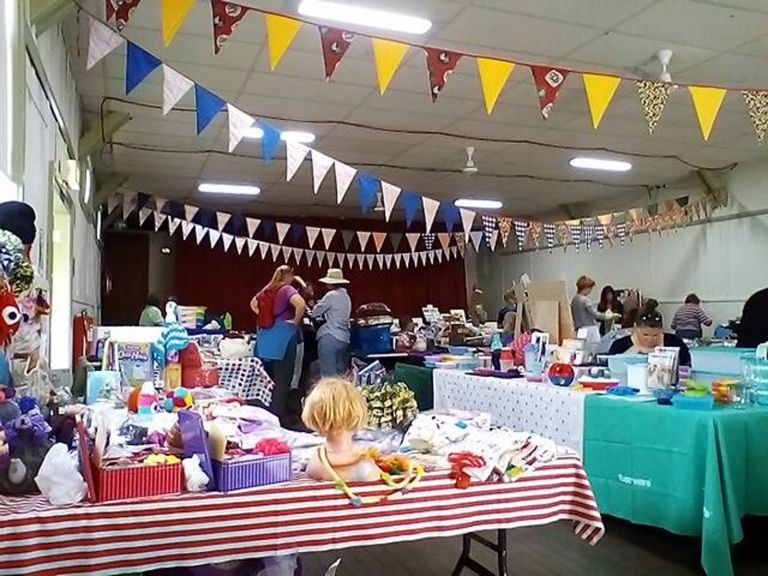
29 439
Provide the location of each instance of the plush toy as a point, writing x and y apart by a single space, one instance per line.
29 439
178 399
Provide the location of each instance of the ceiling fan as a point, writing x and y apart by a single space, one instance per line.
644 70
470 167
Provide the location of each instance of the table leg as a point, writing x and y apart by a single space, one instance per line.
466 560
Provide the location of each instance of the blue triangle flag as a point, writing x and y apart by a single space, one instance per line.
451 216
411 204
369 187
208 106
269 142
138 65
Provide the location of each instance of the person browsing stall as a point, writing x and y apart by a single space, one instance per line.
609 303
151 315
689 318
334 309
649 334
585 314
753 328
510 306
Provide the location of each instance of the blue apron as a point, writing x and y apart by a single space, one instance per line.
272 343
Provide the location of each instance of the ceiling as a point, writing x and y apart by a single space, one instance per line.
720 42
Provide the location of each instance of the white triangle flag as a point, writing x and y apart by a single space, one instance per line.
413 240
312 233
295 153
493 240
143 215
101 41
226 240
160 204
286 253
252 224
112 203
262 246
423 256
328 234
320 166
221 219
398 259
239 244
360 259
439 256
320 257
344 176
339 259
378 240
275 251
297 254
477 239
467 220
431 255
350 260
199 233
173 225
389 194
282 230
380 260
407 259
310 257
430 211
369 259
129 203
159 219
186 228
190 212
175 86
363 238
454 251
239 124
252 245
213 236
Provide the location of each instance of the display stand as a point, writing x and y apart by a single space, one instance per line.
466 560
544 305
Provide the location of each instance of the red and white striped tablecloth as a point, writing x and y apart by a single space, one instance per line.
305 516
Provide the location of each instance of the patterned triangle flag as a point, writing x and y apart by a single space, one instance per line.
707 102
467 220
521 231
398 259
208 107
143 215
413 240
430 211
121 11
222 218
173 13
213 236
173 225
363 238
429 241
489 227
328 234
388 55
548 82
102 40
321 164
335 44
549 235
477 238
493 77
380 260
190 212
505 227
281 32
461 241
159 219
600 90
378 240
389 194
600 235
296 153
575 229
138 65
175 87
312 233
282 230
199 233
186 228
226 16
252 224
653 97
757 105
445 240
440 65
239 124
621 231
344 176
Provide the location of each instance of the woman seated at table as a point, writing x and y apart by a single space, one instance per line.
648 333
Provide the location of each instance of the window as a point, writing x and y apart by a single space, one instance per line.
8 17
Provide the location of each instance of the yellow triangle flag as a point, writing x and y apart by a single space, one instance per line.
174 12
281 32
493 77
389 55
600 91
707 102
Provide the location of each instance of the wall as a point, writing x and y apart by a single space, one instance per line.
722 261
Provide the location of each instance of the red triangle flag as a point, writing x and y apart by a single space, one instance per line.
440 63
548 82
226 16
120 10
335 44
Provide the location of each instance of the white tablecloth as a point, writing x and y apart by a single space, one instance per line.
544 409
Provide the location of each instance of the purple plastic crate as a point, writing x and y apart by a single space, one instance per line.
249 472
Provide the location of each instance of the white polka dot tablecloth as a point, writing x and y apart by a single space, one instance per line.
544 409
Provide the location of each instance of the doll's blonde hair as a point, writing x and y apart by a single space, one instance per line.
334 405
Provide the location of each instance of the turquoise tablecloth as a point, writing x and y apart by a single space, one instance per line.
693 473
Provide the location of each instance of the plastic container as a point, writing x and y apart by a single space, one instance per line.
685 402
139 481
460 350
368 340
618 365
250 472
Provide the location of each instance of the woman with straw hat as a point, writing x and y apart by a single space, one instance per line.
333 310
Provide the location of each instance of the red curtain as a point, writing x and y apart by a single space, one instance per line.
226 282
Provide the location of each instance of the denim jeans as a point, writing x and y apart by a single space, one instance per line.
333 356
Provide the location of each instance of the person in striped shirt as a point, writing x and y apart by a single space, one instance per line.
689 319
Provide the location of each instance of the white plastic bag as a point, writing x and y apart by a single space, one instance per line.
58 478
196 480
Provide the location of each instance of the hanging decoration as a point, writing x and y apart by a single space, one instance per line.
411 204
548 82
707 102
757 105
321 164
505 227
575 230
344 177
226 16
549 235
476 236
295 154
175 87
270 142
239 124
521 231
430 211
173 13
451 216
102 41
121 11
368 187
600 90
493 77
489 227
467 220
252 224
440 65
378 240
389 195
429 241
138 65
335 44
413 240
281 32
653 97
388 55
208 107
460 243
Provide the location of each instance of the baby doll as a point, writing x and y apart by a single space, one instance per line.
336 409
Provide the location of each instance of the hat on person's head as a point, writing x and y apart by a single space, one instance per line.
334 277
18 218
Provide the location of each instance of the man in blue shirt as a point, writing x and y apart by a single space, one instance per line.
333 310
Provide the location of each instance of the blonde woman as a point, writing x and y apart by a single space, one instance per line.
279 308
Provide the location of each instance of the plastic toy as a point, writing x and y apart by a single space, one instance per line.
178 399
561 375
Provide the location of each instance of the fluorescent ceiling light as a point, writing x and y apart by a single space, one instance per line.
235 189
478 204
364 16
600 164
256 133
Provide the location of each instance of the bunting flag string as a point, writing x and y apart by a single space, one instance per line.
296 153
160 219
440 65
173 15
335 43
144 213
389 194
175 87
521 230
240 243
493 77
138 65
413 240
225 16
707 102
467 220
186 228
378 240
362 238
757 106
549 235
321 164
344 177
226 241
239 124
548 82
121 11
102 40
213 237
173 225
653 97
281 32
328 234
477 238
600 90
208 107
368 187
388 55
430 211
429 241
505 227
